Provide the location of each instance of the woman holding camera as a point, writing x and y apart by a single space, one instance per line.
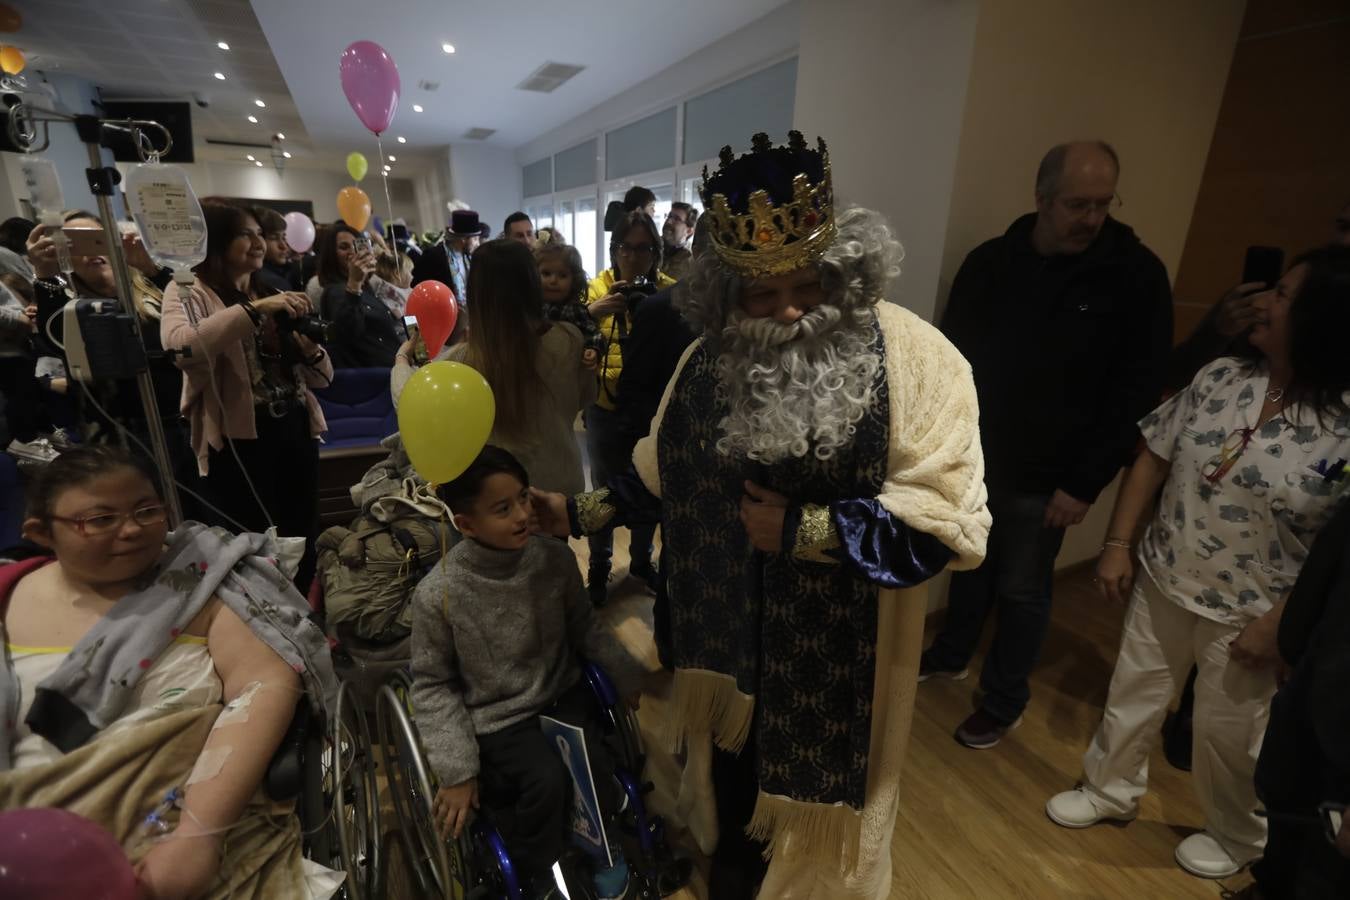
635 249
247 385
366 334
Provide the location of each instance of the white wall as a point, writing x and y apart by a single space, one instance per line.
227 179
1147 76
488 179
751 48
884 82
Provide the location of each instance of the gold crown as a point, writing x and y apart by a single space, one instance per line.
770 239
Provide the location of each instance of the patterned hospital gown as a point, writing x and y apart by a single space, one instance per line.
1228 547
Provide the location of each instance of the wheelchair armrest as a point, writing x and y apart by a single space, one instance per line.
601 685
285 772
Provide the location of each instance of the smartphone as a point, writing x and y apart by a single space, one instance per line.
87 241
1263 264
362 243
415 335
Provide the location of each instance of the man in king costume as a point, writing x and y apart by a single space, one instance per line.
814 461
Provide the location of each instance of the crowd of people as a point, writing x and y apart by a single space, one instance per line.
813 456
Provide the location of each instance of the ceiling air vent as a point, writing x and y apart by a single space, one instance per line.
479 134
549 77
429 85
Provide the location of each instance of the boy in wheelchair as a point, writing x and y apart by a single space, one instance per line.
497 630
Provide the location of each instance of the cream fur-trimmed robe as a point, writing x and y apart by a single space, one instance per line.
934 484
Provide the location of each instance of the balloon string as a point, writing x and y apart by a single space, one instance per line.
384 176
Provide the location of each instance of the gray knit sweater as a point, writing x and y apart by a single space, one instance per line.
496 637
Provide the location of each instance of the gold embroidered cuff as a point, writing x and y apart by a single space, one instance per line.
816 535
594 511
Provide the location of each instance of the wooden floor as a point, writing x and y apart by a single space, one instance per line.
972 823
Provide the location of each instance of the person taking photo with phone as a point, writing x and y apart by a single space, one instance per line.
366 333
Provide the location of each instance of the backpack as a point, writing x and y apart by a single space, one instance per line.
369 571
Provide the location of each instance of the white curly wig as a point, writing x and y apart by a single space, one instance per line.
801 388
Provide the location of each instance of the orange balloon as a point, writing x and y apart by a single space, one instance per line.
354 207
11 60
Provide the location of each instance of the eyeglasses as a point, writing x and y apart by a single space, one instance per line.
1222 462
1081 206
676 217
636 250
102 524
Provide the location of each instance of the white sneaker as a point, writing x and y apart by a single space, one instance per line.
1076 809
1204 857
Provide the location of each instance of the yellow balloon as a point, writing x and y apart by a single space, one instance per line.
445 415
354 207
11 60
357 166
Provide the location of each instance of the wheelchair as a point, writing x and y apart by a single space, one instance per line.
328 769
478 866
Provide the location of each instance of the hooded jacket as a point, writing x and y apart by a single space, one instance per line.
1068 353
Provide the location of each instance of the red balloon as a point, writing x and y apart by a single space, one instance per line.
46 854
434 306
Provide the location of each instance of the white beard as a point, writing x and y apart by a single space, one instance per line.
795 389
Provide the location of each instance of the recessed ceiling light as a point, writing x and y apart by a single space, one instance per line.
251 158
280 136
222 45
448 48
417 107
258 163
388 168
259 104
253 119
220 76
393 158
402 139
286 153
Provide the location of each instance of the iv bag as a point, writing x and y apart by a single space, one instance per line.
167 212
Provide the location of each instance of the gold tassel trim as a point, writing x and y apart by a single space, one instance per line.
830 833
706 702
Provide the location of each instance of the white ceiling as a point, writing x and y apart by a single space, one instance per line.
285 52
621 43
166 49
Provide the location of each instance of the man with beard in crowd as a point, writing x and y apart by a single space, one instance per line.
814 461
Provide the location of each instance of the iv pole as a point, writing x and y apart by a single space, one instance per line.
102 181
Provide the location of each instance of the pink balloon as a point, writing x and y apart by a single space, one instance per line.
370 81
46 854
299 231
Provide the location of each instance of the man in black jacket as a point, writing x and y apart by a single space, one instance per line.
1067 322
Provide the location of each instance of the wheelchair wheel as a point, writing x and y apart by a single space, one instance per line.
439 870
356 800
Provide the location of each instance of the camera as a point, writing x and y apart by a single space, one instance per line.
318 330
637 291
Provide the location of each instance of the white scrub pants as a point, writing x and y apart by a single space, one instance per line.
1161 641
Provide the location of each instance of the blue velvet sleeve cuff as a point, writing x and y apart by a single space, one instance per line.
879 546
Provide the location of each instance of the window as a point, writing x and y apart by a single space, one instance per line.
575 166
732 113
564 220
644 146
538 178
586 226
